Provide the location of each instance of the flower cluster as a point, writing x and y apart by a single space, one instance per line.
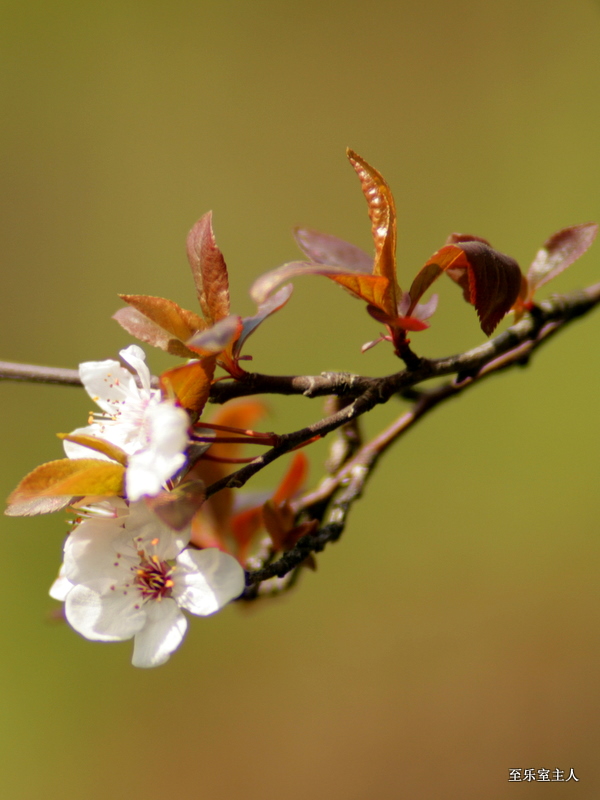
140 550
126 574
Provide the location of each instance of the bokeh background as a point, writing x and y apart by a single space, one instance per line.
454 633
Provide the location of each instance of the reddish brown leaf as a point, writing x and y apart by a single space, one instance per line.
149 332
167 314
373 289
293 480
209 270
489 279
215 339
559 252
494 282
278 521
404 323
159 322
325 249
382 213
190 383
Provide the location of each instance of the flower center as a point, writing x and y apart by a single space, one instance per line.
153 577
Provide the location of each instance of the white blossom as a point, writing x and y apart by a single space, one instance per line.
128 576
151 431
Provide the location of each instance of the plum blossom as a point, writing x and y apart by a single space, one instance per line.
152 431
127 575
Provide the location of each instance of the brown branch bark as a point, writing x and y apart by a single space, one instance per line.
338 492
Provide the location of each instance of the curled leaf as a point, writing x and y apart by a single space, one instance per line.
489 279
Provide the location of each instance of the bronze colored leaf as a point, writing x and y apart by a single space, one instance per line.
69 477
382 213
95 443
167 314
209 270
190 383
149 332
250 324
37 505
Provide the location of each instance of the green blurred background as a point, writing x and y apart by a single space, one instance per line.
454 632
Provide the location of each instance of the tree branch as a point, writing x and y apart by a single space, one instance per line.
359 394
354 475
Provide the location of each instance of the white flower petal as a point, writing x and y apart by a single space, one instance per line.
107 383
103 617
163 633
92 549
205 580
61 586
136 358
149 468
165 542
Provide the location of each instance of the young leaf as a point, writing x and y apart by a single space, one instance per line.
489 279
108 449
209 270
559 252
371 288
159 322
250 324
322 248
190 383
382 213
37 505
215 339
69 478
293 480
